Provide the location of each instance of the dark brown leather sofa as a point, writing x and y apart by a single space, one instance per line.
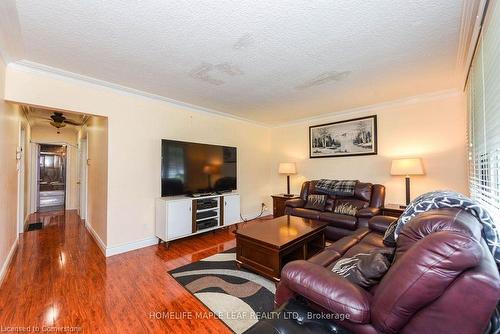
443 279
369 198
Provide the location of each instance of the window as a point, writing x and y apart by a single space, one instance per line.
483 88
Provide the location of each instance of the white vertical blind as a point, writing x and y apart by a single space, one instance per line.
484 115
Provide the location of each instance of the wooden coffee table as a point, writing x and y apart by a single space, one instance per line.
265 247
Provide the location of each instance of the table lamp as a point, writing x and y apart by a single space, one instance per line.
407 167
287 168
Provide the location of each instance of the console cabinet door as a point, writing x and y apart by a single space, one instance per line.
179 218
231 209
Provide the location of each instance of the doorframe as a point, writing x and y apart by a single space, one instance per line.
21 170
36 170
83 153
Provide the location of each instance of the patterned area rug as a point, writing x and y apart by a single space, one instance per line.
236 296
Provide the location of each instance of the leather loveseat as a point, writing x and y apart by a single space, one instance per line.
443 279
367 199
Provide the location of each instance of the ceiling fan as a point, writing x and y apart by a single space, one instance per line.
60 121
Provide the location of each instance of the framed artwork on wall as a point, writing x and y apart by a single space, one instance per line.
352 137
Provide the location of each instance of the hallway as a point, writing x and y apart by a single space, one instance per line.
59 278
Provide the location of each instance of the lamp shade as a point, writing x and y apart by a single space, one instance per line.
287 168
412 166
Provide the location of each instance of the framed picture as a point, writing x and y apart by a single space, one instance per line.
345 138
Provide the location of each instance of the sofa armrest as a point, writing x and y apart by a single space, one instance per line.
380 223
295 203
328 290
367 212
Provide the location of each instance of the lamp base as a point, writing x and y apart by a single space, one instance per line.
288 195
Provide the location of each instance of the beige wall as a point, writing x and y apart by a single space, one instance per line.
96 133
136 126
10 121
47 134
434 129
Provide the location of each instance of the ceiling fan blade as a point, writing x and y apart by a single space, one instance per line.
72 122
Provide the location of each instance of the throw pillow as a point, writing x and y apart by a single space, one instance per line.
389 236
365 269
347 207
316 202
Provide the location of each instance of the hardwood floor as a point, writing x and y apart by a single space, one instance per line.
59 278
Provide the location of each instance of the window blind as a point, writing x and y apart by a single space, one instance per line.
483 88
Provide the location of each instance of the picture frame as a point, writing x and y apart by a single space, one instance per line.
353 137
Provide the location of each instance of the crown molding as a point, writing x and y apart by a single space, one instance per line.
25 65
29 66
470 28
376 107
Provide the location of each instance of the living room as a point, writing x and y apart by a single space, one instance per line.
245 83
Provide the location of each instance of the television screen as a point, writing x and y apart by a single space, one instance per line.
190 168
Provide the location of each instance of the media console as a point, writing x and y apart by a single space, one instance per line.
181 216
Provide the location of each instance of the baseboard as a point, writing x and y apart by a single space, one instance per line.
130 246
99 242
6 264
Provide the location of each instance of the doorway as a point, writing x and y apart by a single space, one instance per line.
52 178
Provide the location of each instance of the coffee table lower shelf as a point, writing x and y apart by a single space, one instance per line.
268 261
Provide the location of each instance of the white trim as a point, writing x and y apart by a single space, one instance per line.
21 171
66 75
6 264
34 170
130 246
96 237
376 107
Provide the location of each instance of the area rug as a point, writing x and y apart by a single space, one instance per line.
236 296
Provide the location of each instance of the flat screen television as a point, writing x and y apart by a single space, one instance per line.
192 168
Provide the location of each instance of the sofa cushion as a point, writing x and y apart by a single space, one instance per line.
316 202
345 208
330 203
337 220
325 258
363 191
334 233
295 203
422 275
348 207
368 212
364 269
305 213
344 244
327 290
370 241
380 224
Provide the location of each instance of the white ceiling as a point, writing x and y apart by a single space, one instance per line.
268 61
